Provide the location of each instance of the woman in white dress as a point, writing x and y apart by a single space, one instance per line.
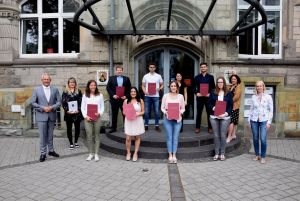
134 128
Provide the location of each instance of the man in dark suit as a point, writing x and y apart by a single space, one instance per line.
202 100
118 80
46 100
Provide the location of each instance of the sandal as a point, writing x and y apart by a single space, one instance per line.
135 157
216 157
170 159
222 158
128 156
174 160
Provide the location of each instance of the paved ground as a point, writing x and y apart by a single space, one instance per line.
70 177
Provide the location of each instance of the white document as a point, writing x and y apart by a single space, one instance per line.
73 106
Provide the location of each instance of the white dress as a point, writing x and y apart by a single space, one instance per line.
136 126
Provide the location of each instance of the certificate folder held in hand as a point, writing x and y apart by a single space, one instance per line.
120 91
220 108
173 111
203 89
92 109
151 88
73 106
129 111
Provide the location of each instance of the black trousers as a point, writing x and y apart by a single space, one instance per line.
201 102
70 123
116 105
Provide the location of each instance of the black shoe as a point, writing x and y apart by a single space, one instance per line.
157 128
112 130
43 157
146 128
53 153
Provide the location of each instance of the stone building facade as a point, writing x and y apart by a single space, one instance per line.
280 69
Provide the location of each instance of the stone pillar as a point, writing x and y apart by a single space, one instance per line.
9 23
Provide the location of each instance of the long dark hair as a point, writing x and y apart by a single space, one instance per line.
87 89
138 96
238 79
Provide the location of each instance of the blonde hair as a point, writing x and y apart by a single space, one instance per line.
260 82
68 90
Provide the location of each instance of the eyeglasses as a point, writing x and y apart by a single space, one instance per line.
220 82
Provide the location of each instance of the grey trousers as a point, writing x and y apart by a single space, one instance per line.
92 129
46 129
220 128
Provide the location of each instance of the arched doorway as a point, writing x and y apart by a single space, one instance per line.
169 61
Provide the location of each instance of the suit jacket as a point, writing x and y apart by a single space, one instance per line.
113 83
39 101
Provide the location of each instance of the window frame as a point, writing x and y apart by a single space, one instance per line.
40 16
259 55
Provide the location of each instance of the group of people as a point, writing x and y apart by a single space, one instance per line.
90 107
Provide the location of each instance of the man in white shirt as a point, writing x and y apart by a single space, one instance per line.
152 94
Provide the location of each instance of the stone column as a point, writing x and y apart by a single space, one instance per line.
9 31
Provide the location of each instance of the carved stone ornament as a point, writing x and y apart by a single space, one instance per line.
9 12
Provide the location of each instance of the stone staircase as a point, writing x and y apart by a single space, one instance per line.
153 144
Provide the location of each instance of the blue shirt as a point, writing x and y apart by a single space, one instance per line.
120 81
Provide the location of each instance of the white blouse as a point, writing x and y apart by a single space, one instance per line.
261 108
97 100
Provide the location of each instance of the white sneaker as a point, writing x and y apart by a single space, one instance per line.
96 157
90 157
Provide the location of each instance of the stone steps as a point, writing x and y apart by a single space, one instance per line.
153 144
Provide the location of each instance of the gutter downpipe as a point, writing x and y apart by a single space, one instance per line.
110 38
111 47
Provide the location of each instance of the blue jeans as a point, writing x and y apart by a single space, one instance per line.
220 128
148 103
172 128
259 129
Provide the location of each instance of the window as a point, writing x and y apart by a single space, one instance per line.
47 27
265 40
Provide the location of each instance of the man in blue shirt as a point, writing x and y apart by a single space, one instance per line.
118 80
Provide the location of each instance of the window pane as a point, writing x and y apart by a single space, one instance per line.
70 6
29 7
50 35
71 37
270 33
242 2
248 42
30 36
50 6
271 2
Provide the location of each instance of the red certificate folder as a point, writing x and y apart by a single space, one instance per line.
129 111
203 89
120 91
173 111
92 109
151 88
220 108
